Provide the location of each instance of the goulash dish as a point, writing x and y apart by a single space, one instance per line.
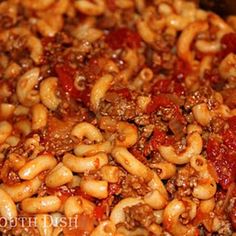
117 118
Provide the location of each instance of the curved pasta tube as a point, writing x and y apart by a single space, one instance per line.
178 22
105 228
110 173
36 166
89 8
44 224
5 130
186 38
193 148
130 163
129 134
25 88
145 32
95 188
214 46
37 5
227 66
206 206
41 204
58 176
155 200
202 114
23 126
194 128
83 164
156 184
206 186
205 64
50 24
117 213
99 90
20 191
48 96
16 161
208 47
87 31
85 129
167 169
142 102
7 206
36 48
76 205
39 116
7 110
144 76
73 206
171 219
93 149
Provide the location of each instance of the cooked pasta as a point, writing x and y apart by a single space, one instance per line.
117 118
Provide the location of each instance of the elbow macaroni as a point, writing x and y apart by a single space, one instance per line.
117 118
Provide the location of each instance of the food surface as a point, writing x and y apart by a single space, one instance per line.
117 118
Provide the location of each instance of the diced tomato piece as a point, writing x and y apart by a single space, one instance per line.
99 212
213 149
159 137
228 43
66 76
168 86
157 102
229 139
123 37
161 100
224 162
232 123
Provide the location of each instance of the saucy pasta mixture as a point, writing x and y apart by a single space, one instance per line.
117 118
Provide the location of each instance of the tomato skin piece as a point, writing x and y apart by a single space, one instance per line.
161 100
228 43
123 37
158 101
66 76
158 138
66 79
99 212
